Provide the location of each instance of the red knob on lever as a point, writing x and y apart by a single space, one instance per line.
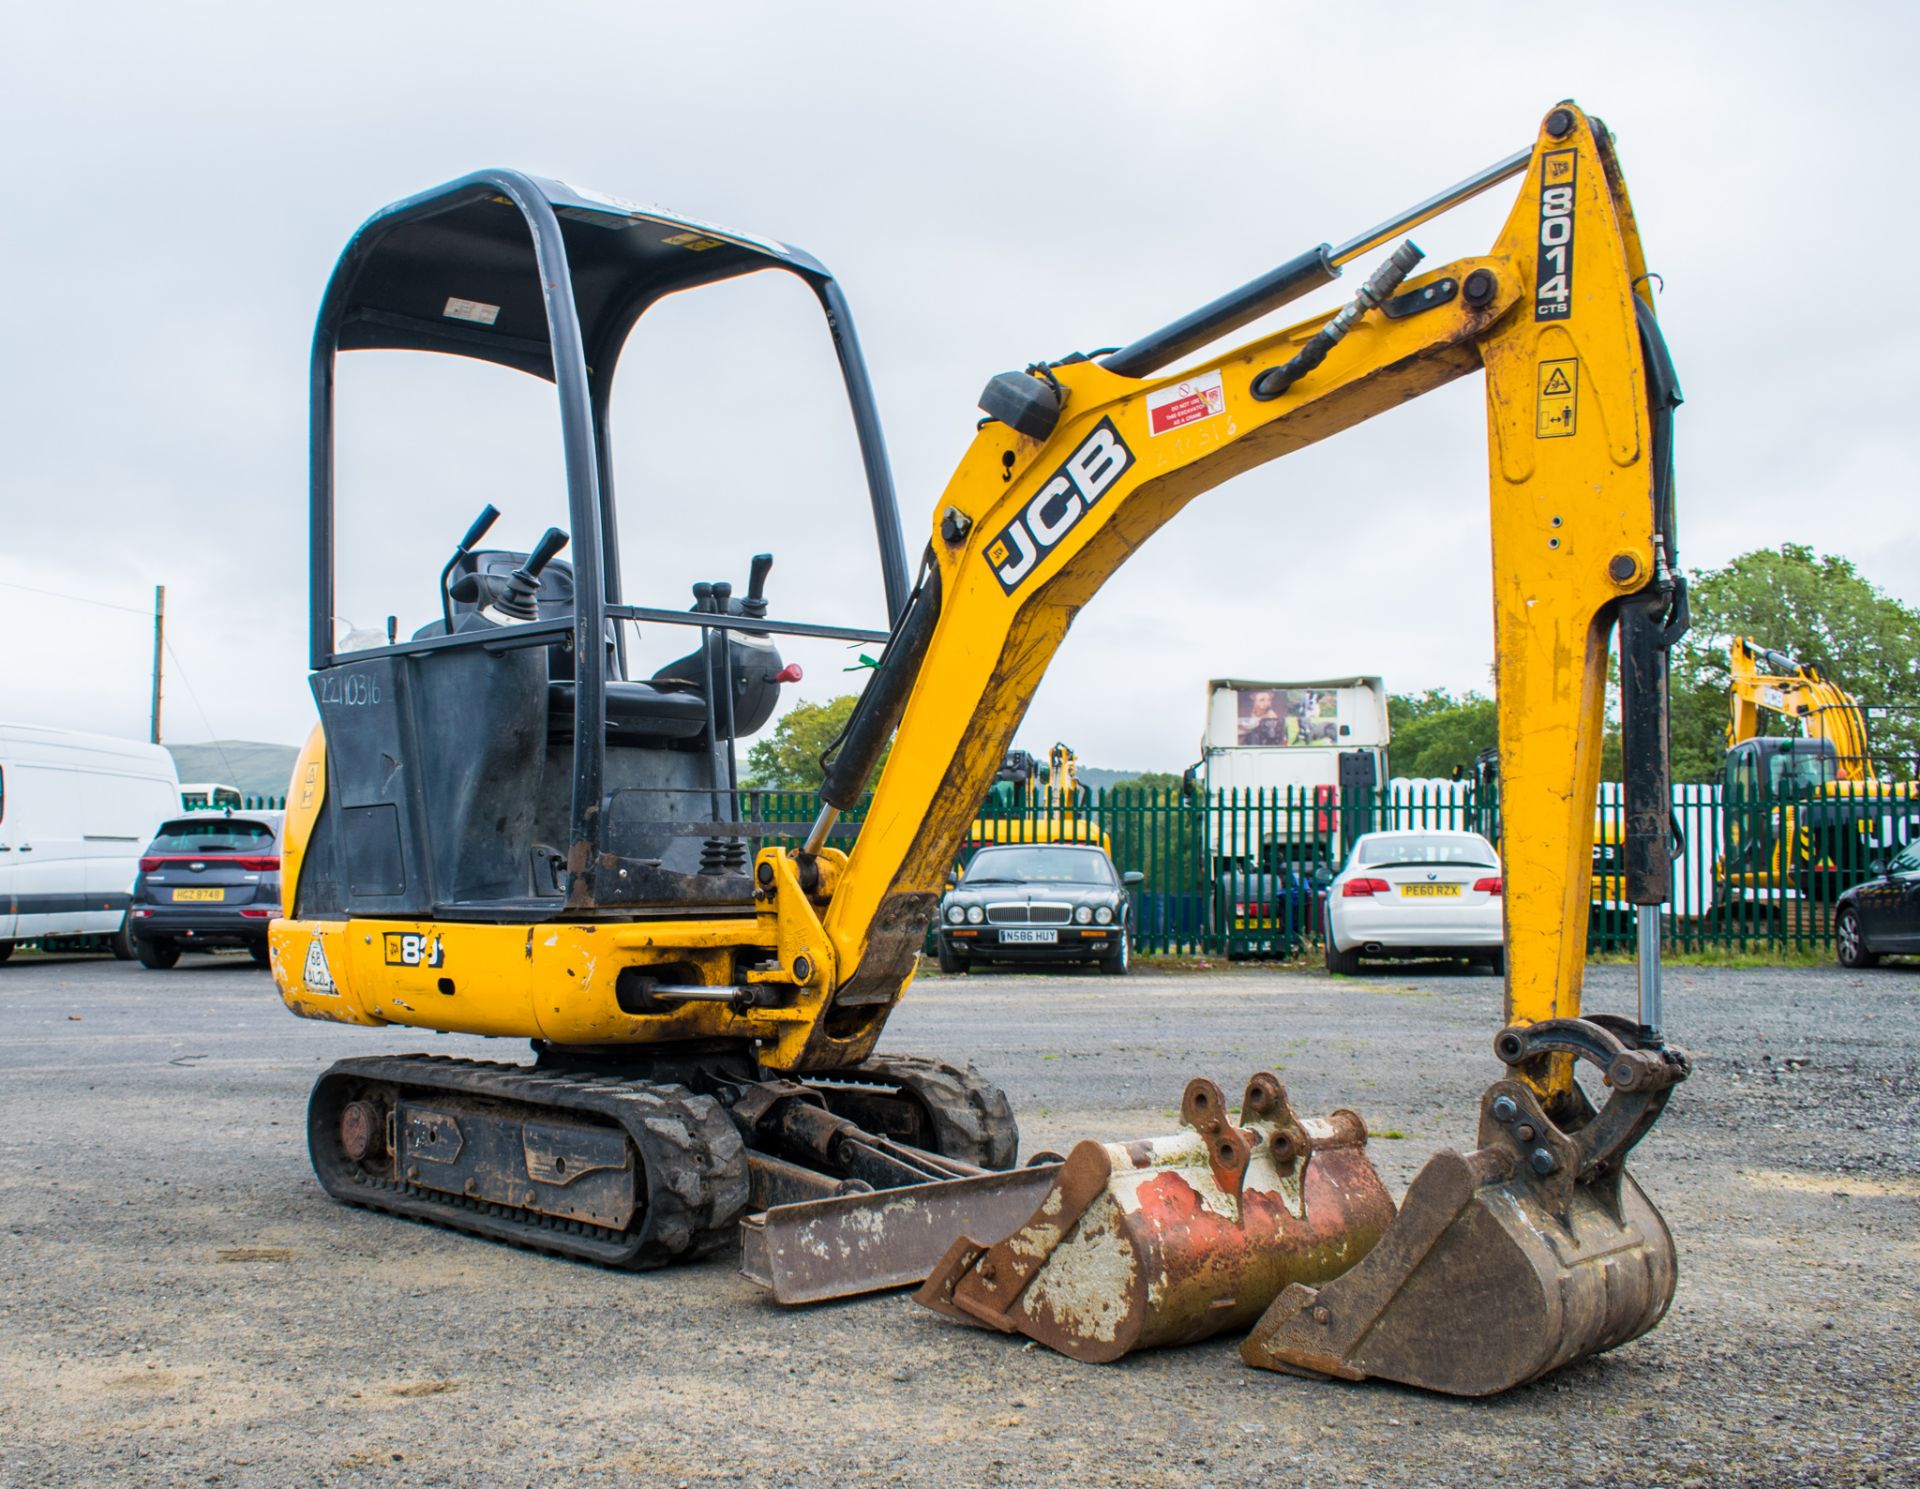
789 673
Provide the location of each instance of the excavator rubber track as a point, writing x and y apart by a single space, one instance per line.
610 1169
969 1117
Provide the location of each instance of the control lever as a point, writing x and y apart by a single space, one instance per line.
489 514
524 583
755 603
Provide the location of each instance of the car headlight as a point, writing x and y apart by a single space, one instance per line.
1104 915
1083 914
956 914
975 914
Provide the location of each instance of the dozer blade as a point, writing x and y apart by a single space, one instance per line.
824 1249
1533 1251
1174 1239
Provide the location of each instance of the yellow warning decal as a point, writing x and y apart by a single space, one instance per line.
1559 400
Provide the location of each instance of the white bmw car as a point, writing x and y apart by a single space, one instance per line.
1416 894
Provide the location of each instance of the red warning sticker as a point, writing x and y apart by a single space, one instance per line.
1187 402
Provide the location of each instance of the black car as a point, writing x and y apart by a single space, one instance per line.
1882 916
208 880
1039 903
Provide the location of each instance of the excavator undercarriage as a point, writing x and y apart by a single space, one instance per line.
503 828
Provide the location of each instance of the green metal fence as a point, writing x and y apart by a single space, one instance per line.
1242 873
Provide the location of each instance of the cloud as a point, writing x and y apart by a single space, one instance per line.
991 184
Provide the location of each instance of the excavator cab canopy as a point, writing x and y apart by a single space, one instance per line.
483 786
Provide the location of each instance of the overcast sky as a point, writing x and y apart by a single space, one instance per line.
991 183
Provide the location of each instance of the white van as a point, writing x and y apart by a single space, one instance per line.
76 812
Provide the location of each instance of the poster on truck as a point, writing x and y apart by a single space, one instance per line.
1288 716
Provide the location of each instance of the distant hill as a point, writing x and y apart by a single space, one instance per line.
251 768
1100 780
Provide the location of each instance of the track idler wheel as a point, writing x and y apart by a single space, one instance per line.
1533 1251
1174 1239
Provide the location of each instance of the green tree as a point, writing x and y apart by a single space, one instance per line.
1436 733
1815 607
1149 780
788 759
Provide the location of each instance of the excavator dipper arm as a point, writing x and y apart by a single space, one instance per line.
1032 524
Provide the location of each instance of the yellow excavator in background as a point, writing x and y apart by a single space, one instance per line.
1762 680
1805 811
504 826
1031 802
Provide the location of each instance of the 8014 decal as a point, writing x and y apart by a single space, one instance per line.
1553 286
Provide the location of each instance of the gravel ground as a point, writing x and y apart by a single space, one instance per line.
150 1122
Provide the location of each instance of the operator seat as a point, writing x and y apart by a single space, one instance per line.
645 714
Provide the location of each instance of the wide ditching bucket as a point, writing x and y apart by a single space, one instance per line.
1533 1251
1174 1239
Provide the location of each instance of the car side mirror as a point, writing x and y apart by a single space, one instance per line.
952 878
1133 877
1876 866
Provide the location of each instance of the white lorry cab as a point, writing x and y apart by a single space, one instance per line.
76 812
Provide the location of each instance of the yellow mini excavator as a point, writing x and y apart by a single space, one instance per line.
505 826
1804 811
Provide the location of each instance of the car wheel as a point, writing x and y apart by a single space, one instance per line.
1849 944
1495 962
1117 962
262 956
1342 963
6 950
159 955
120 943
950 960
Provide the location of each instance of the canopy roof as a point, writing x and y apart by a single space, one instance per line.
456 269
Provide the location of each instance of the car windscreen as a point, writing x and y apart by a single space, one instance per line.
1385 852
1039 866
217 835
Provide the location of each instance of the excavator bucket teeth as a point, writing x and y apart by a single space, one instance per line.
1503 1265
1174 1239
847 1245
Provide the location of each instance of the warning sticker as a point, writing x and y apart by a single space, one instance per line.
1559 401
1186 402
477 311
315 974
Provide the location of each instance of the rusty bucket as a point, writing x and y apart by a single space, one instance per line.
1174 1239
1533 1251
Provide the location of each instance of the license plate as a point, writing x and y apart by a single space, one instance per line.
202 895
1030 938
1430 891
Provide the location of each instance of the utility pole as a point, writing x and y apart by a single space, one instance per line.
159 650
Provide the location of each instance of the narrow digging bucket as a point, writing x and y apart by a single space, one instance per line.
1174 1239
1532 1252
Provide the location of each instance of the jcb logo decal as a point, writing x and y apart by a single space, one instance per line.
1085 476
407 950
